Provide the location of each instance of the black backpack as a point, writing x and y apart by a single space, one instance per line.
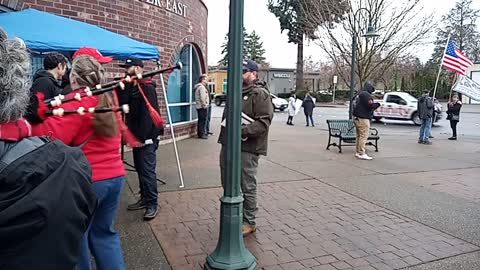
355 102
46 204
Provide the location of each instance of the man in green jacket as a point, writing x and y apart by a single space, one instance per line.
258 111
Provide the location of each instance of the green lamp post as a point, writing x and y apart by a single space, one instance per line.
371 33
231 252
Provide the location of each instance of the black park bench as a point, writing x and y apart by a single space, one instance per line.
344 130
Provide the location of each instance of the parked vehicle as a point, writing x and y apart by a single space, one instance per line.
278 103
402 106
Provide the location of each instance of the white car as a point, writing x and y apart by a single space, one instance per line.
279 103
402 106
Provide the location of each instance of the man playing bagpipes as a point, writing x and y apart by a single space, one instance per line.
144 123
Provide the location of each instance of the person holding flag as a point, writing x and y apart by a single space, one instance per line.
453 59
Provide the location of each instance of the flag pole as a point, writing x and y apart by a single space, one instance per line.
440 68
451 90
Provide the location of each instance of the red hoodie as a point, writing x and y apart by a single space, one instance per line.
103 153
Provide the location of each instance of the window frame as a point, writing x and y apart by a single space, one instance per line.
191 102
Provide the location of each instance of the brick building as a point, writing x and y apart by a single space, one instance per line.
178 28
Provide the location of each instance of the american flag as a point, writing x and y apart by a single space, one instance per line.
454 59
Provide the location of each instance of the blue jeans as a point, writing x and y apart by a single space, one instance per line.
145 162
209 118
309 117
425 129
101 240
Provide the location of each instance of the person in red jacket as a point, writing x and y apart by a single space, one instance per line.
99 138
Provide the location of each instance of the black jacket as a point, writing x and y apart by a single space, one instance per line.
425 107
138 119
46 204
308 105
454 109
257 104
43 81
364 106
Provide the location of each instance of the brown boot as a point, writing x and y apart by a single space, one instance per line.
248 229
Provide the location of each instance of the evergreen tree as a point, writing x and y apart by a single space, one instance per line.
461 24
254 48
224 60
301 18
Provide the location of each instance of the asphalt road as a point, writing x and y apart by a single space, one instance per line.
469 120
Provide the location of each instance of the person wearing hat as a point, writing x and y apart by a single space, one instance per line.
258 108
141 124
93 52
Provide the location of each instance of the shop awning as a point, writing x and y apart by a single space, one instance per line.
44 32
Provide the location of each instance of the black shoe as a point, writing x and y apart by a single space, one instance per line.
420 141
136 206
210 133
431 137
203 137
452 138
150 213
427 142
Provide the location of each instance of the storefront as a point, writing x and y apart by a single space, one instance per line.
178 28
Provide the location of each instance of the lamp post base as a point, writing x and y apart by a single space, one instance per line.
231 253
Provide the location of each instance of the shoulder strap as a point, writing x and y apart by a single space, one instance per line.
84 142
20 149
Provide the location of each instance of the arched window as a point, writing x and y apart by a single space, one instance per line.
181 95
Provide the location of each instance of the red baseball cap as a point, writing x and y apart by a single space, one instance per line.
93 53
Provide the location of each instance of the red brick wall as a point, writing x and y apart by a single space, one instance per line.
141 21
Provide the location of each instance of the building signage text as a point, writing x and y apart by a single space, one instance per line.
281 75
174 6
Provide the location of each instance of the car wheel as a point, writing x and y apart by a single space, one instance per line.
282 109
377 119
218 102
416 119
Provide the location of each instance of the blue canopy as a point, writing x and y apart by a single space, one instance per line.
43 32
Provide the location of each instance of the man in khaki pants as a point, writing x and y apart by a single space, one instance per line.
363 108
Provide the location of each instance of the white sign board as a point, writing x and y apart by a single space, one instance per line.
335 79
468 87
298 105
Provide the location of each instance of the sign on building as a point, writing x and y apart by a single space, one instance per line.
173 6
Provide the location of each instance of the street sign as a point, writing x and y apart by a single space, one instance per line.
335 79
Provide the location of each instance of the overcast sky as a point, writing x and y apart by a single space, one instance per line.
279 52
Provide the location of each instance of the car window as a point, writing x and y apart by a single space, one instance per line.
396 99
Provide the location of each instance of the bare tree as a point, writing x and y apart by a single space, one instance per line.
400 26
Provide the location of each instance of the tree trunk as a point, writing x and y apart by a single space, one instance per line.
300 83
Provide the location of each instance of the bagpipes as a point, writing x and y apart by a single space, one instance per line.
108 87
81 110
50 107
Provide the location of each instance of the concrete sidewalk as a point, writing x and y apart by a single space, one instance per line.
413 206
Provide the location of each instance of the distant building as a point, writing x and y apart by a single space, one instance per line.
279 80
